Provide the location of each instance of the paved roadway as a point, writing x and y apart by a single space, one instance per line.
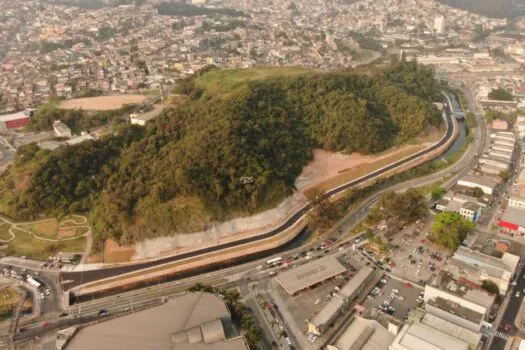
81 277
509 316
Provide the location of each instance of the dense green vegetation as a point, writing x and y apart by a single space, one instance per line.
399 209
500 94
77 120
438 193
450 230
225 152
490 287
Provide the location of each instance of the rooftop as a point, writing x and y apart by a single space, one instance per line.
418 336
328 311
480 180
477 258
363 334
456 309
356 282
451 329
190 322
306 275
13 116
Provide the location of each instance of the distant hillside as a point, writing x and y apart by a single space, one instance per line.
234 148
490 8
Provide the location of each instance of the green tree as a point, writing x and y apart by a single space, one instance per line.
500 94
505 175
490 287
438 193
477 192
406 207
450 230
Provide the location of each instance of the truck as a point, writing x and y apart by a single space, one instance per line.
33 282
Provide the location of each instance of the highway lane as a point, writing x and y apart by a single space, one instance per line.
82 277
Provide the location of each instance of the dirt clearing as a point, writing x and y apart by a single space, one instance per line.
102 103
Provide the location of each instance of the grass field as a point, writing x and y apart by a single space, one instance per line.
225 81
45 229
25 245
4 231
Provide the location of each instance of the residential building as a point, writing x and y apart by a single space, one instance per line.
470 211
61 129
499 124
439 24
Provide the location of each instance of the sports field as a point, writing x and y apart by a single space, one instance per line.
102 103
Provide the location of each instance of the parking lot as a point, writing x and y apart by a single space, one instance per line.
403 299
307 303
414 258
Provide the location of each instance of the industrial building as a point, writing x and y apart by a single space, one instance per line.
195 321
363 334
457 302
485 184
475 272
14 121
419 336
340 302
310 274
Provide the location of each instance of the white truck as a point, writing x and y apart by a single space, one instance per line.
33 282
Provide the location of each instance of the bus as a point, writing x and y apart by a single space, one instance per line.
274 261
33 282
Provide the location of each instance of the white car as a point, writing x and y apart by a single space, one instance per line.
395 291
517 294
288 341
317 301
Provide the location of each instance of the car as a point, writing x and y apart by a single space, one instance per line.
288 341
395 291
103 313
45 324
317 301
518 294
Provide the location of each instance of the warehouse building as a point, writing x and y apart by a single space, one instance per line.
14 121
486 185
340 302
363 334
460 303
310 274
418 336
195 321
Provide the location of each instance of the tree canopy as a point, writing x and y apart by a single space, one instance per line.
450 229
500 94
228 154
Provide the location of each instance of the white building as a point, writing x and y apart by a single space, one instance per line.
486 185
439 24
61 129
470 211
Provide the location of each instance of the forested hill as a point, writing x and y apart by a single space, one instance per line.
490 8
235 147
